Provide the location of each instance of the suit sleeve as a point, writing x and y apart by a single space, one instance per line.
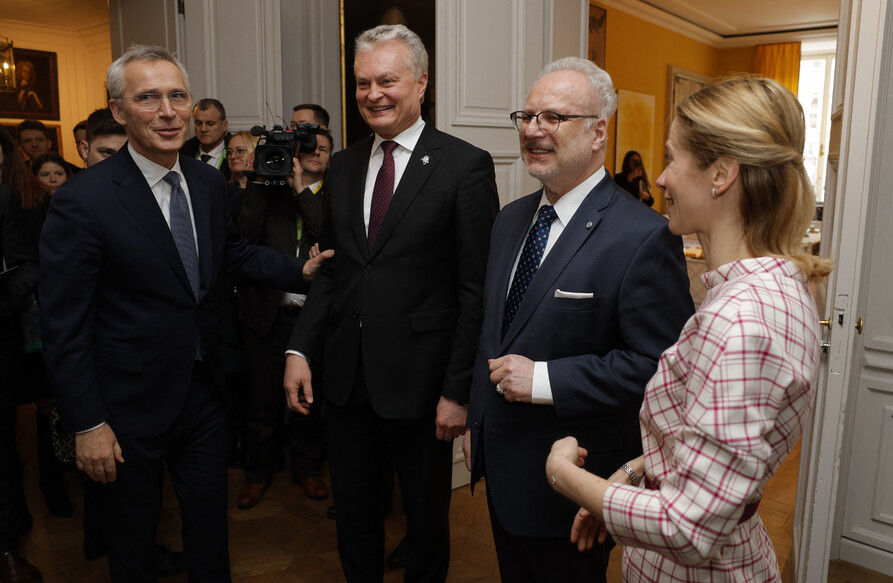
477 204
71 255
653 304
309 332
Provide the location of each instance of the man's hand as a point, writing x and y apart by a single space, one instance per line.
298 390
311 266
296 178
96 453
466 449
513 376
314 251
450 419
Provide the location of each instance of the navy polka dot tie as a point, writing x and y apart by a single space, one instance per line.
528 263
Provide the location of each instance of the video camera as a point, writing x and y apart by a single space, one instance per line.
273 155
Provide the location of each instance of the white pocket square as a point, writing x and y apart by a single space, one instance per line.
573 295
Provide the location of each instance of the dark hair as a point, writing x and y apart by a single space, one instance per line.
53 157
627 161
16 175
81 125
102 123
320 115
207 103
31 124
328 136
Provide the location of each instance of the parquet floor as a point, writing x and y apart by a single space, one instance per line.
287 538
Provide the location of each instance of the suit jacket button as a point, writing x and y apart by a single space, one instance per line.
192 352
367 269
356 315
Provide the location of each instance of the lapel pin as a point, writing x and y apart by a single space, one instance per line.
425 160
589 225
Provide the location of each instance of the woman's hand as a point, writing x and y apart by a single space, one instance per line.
563 451
586 529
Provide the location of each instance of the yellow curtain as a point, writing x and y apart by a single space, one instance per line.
780 62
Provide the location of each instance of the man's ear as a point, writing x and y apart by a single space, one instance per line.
83 149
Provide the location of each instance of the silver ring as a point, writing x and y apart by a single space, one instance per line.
499 389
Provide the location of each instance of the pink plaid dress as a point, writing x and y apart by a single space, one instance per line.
727 404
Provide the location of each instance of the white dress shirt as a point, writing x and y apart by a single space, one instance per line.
565 208
216 155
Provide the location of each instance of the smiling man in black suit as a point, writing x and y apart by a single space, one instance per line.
396 317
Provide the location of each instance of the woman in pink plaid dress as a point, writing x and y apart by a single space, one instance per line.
729 399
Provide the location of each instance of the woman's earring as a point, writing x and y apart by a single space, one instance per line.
714 193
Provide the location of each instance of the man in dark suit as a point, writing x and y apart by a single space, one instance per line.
396 318
211 136
133 252
585 288
286 218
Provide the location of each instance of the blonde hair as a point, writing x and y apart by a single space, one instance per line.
250 140
759 124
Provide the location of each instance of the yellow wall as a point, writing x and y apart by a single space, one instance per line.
637 56
82 57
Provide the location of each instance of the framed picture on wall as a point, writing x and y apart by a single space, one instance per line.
36 95
598 24
54 132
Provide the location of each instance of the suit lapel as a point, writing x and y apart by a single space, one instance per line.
201 211
356 193
584 222
136 197
422 163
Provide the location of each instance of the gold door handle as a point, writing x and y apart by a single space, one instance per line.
825 323
859 325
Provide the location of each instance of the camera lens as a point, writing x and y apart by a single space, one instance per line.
275 162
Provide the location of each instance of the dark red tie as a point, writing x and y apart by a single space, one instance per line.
382 192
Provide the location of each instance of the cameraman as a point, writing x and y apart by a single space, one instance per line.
286 218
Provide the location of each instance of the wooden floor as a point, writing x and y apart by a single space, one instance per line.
287 538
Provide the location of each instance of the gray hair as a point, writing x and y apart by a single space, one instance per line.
600 83
367 40
115 74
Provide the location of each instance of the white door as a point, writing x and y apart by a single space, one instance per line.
861 88
488 54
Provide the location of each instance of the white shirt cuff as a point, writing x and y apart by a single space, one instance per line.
89 430
301 354
541 393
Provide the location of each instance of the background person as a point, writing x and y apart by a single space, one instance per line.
209 142
633 178
51 170
730 398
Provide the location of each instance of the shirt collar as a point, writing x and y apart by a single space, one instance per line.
568 204
214 152
407 139
152 172
744 267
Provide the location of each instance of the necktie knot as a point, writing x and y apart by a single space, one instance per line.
388 147
205 158
173 179
547 215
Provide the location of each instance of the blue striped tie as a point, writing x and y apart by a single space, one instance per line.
181 228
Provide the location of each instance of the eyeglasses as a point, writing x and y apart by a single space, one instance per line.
548 121
152 101
230 152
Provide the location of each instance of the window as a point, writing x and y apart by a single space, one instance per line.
814 93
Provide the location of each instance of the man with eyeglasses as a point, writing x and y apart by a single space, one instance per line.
211 136
133 251
585 288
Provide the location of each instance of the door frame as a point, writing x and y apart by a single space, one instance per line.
858 82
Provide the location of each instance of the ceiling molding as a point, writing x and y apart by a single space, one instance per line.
658 17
